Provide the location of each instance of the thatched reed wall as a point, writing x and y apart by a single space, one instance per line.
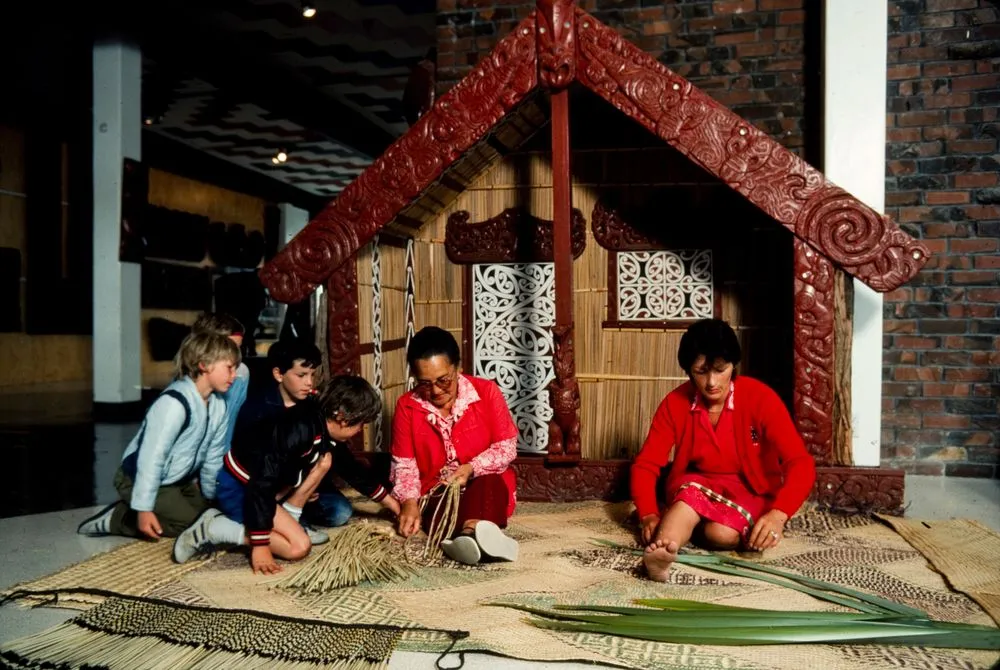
623 372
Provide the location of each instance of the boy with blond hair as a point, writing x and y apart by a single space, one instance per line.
168 471
229 326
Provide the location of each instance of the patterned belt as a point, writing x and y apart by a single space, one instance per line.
719 498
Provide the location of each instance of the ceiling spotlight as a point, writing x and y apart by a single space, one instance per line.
308 10
282 156
274 159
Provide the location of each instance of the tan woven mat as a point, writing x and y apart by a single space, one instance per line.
559 563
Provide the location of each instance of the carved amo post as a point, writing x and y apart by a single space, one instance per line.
556 47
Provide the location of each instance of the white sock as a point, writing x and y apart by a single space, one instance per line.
296 512
223 530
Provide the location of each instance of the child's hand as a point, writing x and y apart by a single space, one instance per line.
262 561
149 525
648 524
409 518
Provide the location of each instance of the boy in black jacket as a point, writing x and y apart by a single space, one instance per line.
280 466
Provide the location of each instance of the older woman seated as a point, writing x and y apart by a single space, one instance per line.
739 469
454 426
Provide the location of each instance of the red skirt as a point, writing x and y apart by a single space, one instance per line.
723 499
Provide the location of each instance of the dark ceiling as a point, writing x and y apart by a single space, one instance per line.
229 83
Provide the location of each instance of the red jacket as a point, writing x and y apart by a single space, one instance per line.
777 464
484 423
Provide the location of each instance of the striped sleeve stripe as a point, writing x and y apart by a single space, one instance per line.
235 468
259 538
379 493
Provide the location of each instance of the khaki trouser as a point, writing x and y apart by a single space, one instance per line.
177 506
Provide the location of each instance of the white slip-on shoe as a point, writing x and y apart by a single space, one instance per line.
494 543
195 538
462 549
316 536
99 524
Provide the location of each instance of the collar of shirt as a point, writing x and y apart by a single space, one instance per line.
698 403
467 395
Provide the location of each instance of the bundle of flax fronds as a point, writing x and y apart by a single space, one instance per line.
358 552
444 518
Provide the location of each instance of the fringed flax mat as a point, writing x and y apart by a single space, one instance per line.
559 563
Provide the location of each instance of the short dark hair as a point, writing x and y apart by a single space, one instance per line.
350 399
283 354
219 323
432 341
711 338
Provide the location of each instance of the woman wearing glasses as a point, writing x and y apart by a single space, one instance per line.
454 426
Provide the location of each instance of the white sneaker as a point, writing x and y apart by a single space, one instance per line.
462 549
195 538
494 543
99 524
316 536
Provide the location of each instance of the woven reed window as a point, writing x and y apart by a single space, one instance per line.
661 288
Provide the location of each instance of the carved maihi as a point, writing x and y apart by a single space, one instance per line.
512 236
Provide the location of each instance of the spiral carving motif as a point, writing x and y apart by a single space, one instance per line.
457 120
788 189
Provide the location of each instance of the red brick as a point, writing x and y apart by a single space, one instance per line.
945 132
967 374
908 71
988 262
951 100
983 294
921 118
657 28
972 146
896 420
908 342
976 180
937 20
778 65
901 167
950 5
911 214
945 230
947 390
896 199
986 357
907 326
947 197
975 246
947 421
736 38
979 82
918 374
982 212
899 134
948 69
766 5
791 18
973 277
757 49
733 6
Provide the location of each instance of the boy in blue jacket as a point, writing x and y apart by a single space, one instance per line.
168 471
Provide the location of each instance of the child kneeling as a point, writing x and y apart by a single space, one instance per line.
268 477
168 471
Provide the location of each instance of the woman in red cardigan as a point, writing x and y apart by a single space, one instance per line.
454 426
739 468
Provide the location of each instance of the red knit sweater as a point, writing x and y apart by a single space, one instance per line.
776 465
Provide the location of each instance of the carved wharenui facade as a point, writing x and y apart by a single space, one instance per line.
556 46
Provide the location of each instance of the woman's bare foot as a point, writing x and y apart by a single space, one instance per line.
659 556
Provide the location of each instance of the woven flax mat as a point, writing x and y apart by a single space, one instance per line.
966 552
560 564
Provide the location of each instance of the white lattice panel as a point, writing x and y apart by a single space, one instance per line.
665 285
513 313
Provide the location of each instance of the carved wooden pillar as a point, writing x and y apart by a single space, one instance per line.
343 338
556 70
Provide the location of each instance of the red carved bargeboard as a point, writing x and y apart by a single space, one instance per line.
512 236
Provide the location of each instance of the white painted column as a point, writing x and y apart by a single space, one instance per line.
117 135
291 221
854 56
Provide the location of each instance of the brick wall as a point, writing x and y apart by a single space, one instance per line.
748 54
942 374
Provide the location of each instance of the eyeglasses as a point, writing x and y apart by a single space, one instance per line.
442 383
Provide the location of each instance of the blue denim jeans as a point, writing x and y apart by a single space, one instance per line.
331 510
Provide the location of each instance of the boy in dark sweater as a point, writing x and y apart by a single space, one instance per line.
274 470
